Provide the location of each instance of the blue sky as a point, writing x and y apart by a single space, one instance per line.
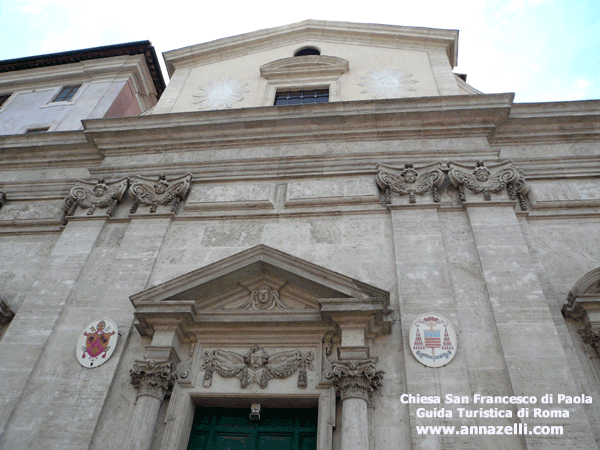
543 50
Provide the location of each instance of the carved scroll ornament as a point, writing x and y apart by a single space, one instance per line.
152 193
96 195
410 181
256 366
488 180
154 378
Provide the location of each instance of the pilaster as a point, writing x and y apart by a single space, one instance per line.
521 315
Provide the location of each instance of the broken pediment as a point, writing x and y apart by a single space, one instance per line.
305 66
259 287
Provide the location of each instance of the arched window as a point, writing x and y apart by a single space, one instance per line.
307 51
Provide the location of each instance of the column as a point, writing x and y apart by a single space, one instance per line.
153 380
355 381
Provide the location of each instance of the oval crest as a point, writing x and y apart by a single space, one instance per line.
432 340
96 343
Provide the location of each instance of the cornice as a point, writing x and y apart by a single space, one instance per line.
552 123
424 117
43 150
345 32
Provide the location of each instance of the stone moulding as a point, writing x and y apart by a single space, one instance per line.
154 378
410 181
152 193
91 195
256 366
489 179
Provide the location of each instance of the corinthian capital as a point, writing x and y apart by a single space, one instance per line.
356 379
154 378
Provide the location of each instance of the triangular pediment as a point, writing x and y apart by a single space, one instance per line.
256 285
388 36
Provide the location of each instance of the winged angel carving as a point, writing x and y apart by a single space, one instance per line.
256 366
152 193
489 180
96 195
410 181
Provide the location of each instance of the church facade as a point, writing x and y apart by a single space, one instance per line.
316 236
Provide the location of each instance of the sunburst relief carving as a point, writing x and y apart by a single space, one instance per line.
387 83
220 94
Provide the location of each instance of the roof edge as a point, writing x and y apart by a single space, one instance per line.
371 33
74 56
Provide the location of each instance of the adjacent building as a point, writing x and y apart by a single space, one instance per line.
316 236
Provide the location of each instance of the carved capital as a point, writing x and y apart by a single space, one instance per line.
356 379
410 181
591 337
105 195
149 192
488 180
154 378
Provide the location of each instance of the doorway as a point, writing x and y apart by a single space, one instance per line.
232 429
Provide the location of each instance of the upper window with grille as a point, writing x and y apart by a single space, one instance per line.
66 94
301 97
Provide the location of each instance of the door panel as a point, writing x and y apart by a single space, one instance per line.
231 429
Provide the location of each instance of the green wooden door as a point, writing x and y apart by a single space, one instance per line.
231 429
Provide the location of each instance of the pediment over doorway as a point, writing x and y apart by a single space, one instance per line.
259 288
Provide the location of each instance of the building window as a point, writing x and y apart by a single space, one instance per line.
307 51
301 97
3 98
37 130
66 94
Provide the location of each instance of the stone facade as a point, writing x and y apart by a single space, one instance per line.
277 255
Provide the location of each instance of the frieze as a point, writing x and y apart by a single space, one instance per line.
256 366
410 181
154 378
91 195
488 180
356 378
149 192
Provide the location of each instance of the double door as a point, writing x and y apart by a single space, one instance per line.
232 429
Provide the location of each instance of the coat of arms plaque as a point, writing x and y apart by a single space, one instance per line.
96 343
432 340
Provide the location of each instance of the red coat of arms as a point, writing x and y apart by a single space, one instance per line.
97 342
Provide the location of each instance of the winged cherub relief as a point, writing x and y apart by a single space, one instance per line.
264 298
256 366
410 181
152 193
488 180
96 195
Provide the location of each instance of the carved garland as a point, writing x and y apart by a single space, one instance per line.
410 181
484 180
152 193
154 378
96 195
256 366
